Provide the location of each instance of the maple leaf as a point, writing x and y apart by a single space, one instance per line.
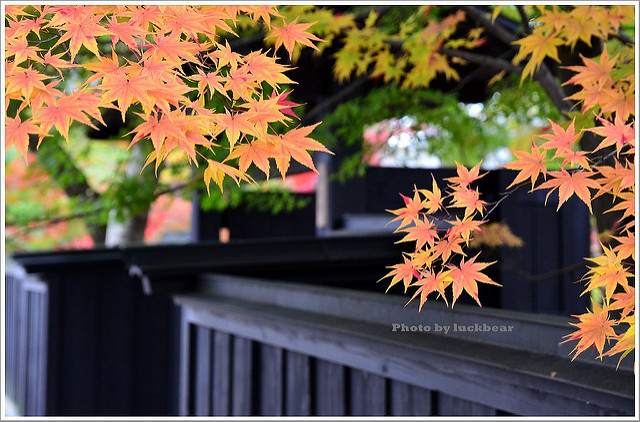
234 126
529 165
608 272
105 69
404 272
627 246
126 32
627 204
265 68
464 228
539 46
616 133
284 104
594 328
626 301
56 62
81 31
224 56
410 212
469 199
291 33
68 108
256 152
615 179
172 49
593 73
218 171
431 282
17 132
466 276
24 81
261 112
21 51
626 342
211 81
295 144
567 184
126 90
422 232
561 140
448 245
465 176
432 198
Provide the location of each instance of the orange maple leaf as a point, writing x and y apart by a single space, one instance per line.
608 272
430 282
17 132
218 171
422 232
410 212
432 198
539 46
567 184
561 140
126 32
594 328
128 89
296 144
529 165
466 277
616 133
466 177
78 106
404 272
290 34
81 30
626 301
256 152
469 199
593 73
615 179
234 126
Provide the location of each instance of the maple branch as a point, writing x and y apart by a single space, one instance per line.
524 18
481 59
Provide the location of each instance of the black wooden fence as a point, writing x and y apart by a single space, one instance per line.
289 329
251 347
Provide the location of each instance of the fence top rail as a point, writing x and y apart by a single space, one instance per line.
212 256
534 332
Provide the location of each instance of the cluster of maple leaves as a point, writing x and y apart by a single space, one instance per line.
606 96
167 64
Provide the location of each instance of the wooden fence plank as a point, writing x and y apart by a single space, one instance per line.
241 397
271 380
330 389
453 406
367 393
221 399
202 374
184 377
297 390
409 400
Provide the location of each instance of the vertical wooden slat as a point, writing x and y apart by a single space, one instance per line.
41 390
22 356
409 400
185 364
454 406
368 394
221 399
297 395
271 378
330 389
202 375
241 397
